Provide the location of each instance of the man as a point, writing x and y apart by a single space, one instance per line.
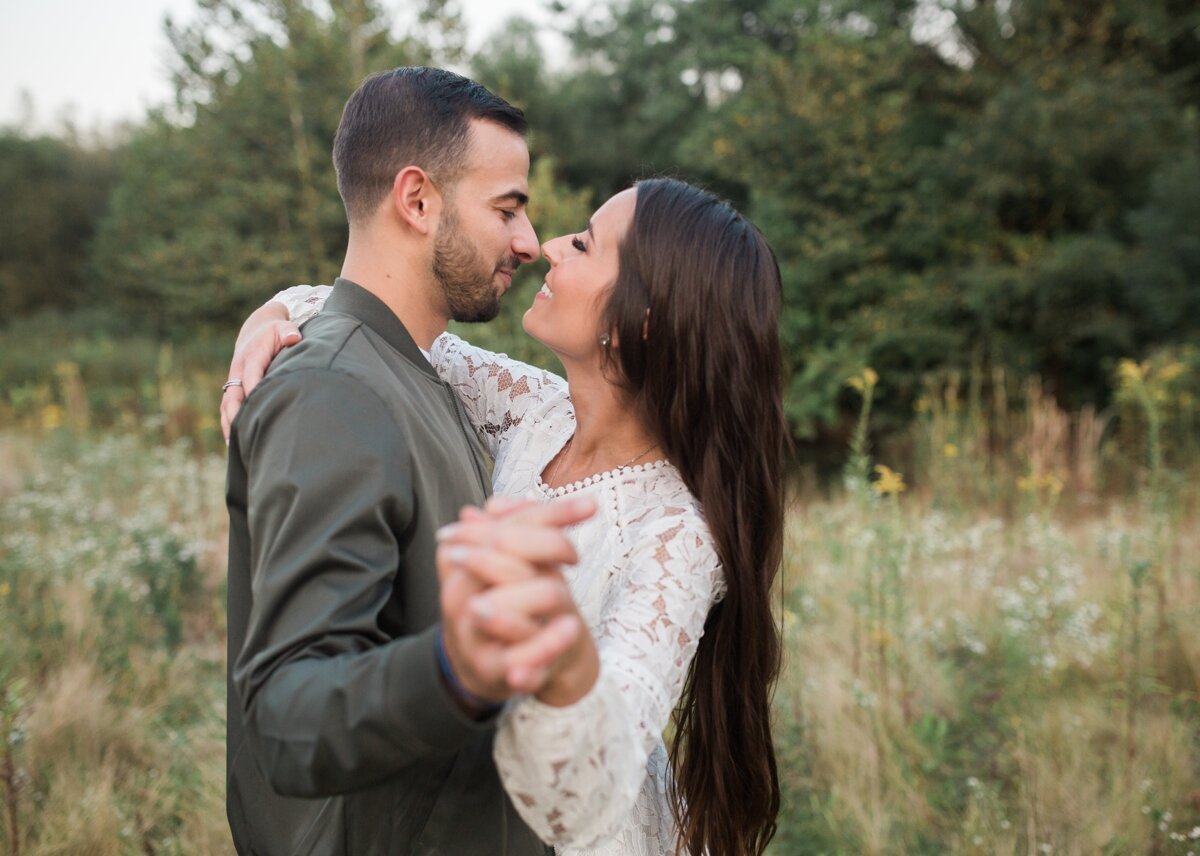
361 711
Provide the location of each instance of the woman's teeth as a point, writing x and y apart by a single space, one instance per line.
545 290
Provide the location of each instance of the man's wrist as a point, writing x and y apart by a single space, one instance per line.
474 705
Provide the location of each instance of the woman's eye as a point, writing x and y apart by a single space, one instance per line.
579 245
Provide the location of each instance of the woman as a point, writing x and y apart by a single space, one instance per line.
664 314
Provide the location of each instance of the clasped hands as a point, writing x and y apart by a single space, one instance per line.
510 625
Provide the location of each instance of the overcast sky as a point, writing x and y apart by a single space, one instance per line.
103 61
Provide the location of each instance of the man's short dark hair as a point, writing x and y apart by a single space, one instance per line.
410 117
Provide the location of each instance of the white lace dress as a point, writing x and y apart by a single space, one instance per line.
590 778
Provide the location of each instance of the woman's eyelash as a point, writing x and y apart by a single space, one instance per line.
579 245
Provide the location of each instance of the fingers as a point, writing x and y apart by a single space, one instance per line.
250 363
231 402
565 511
529 664
511 619
514 612
495 508
521 638
487 565
532 532
261 349
500 506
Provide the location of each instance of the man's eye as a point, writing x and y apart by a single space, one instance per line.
508 215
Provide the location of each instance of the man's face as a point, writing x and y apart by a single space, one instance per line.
484 233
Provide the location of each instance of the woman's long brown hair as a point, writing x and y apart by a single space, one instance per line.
704 370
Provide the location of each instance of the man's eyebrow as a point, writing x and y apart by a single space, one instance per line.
514 196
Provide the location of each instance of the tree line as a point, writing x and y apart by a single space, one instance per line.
948 184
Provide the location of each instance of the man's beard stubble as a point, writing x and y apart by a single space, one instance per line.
466 279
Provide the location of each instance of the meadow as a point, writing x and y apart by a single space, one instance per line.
990 622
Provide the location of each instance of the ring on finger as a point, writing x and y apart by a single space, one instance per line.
233 381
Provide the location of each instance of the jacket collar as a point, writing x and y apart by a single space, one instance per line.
350 298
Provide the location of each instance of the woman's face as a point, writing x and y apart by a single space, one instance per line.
565 315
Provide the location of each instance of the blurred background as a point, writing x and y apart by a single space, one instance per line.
987 214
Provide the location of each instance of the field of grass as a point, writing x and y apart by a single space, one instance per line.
959 682
1001 658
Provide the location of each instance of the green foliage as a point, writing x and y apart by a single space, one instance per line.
230 195
963 184
75 372
54 193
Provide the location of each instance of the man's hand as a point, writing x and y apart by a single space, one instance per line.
266 332
498 647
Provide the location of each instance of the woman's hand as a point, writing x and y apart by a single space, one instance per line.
500 566
266 332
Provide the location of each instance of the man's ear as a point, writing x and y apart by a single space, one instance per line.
416 199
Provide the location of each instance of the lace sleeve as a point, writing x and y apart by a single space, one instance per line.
575 773
303 301
496 391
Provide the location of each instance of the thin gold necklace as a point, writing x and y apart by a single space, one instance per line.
567 446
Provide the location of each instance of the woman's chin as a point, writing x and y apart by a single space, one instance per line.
526 326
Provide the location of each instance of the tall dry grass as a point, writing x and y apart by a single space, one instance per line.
991 643
998 658
112 668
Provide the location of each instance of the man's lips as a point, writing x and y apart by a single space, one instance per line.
506 272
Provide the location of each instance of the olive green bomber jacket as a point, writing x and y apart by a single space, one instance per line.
342 738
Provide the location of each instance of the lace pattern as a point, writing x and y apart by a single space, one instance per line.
303 301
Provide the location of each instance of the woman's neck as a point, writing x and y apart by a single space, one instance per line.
608 432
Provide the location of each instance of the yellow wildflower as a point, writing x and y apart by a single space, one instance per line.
950 450
1131 372
864 381
1048 482
52 416
889 482
4 589
1171 371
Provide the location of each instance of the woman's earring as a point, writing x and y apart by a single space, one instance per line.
605 340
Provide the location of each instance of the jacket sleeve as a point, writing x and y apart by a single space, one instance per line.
331 701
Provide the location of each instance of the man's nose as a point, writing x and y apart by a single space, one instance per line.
525 243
